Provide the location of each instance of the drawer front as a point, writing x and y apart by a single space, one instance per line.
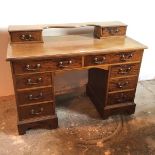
33 80
66 63
119 57
127 56
38 110
113 31
34 66
124 70
26 36
122 97
34 96
101 32
122 84
101 59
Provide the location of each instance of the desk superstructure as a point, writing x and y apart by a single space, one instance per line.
113 61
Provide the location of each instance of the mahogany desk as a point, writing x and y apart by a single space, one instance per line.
113 61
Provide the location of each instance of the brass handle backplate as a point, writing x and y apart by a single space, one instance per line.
121 98
32 97
30 82
124 69
64 64
126 56
113 30
122 84
26 37
32 68
38 112
99 60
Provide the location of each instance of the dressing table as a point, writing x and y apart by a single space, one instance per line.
112 59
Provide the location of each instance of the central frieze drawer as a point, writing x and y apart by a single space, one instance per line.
32 66
122 83
34 96
99 59
38 110
33 80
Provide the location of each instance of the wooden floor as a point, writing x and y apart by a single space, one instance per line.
82 131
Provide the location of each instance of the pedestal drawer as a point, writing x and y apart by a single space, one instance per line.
122 83
124 70
33 80
34 96
121 97
37 110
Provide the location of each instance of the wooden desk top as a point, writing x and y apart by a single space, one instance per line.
71 45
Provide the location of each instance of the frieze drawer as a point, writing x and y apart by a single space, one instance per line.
33 66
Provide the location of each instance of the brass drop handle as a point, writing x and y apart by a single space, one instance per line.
31 97
124 70
30 82
125 56
26 37
113 30
122 84
34 68
122 57
64 64
99 61
33 112
121 98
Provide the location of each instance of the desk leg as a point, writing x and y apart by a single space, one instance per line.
96 88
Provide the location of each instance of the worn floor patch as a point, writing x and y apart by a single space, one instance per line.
82 131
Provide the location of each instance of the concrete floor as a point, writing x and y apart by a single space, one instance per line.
81 130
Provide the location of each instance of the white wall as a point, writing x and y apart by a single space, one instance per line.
137 14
